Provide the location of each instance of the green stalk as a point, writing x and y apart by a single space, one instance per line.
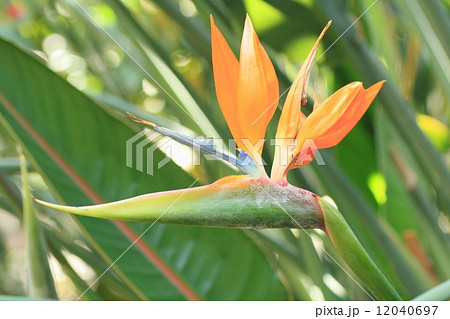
354 254
39 278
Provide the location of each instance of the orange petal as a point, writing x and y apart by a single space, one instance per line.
272 84
332 121
306 154
325 116
257 88
329 112
290 117
226 75
349 119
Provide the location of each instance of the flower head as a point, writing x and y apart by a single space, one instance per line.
247 92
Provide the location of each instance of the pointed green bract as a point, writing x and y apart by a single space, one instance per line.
354 254
234 201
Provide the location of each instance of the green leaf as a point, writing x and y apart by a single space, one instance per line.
79 148
11 193
110 286
439 293
39 277
152 60
79 283
192 29
432 23
408 206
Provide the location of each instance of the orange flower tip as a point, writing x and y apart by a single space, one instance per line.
325 30
375 88
139 120
355 85
248 23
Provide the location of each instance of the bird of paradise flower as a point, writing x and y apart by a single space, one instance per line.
247 91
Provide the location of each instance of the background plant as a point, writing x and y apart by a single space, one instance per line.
71 69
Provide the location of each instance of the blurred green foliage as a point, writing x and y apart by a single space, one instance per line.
389 177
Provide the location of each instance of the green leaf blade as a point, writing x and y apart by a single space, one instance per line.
39 277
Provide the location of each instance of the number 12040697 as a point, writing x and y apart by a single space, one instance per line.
406 310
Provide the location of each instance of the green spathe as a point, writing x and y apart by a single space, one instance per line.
233 201
354 254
